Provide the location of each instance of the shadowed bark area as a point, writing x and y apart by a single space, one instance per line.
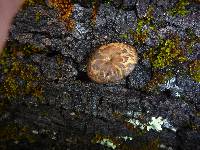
48 101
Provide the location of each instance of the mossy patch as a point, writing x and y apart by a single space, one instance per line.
157 79
37 17
194 69
166 53
143 28
19 78
191 39
180 8
33 2
14 49
141 33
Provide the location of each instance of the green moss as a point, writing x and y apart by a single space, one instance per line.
194 69
19 78
37 17
13 50
157 79
30 2
191 40
180 8
124 36
169 51
166 53
33 2
141 34
10 86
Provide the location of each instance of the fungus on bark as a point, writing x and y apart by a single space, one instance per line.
112 62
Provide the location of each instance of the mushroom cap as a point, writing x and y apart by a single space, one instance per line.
112 62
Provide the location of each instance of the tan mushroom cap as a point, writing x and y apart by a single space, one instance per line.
112 62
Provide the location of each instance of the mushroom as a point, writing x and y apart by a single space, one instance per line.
112 62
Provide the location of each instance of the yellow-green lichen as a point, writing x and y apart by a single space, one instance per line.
180 8
190 40
157 79
144 26
169 51
10 87
19 78
14 50
124 36
194 69
33 2
141 33
166 53
37 17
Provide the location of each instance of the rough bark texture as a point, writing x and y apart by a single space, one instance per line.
48 102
